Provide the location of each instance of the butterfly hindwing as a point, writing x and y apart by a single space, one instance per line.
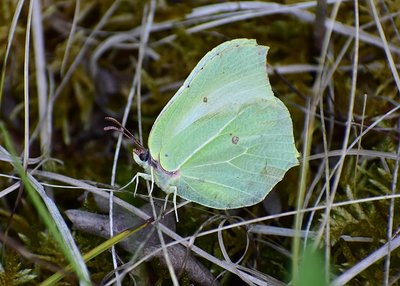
239 165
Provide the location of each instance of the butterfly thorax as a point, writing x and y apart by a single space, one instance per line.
163 178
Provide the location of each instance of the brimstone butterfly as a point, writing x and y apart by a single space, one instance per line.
224 140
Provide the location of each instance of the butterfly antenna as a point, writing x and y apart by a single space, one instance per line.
121 129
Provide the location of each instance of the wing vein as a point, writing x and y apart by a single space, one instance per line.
207 142
218 184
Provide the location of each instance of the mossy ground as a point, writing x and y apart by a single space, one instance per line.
315 79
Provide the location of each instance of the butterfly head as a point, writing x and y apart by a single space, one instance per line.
141 156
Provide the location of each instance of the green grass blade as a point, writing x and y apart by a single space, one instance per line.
50 214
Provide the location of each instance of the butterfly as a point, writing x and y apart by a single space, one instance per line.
223 140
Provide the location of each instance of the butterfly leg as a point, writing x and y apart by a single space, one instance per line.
175 190
145 176
172 189
135 178
152 181
165 202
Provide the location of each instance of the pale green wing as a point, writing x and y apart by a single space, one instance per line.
228 77
227 139
240 164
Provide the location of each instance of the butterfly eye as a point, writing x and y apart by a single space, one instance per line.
144 155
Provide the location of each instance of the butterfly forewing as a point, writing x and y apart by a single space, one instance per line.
226 78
